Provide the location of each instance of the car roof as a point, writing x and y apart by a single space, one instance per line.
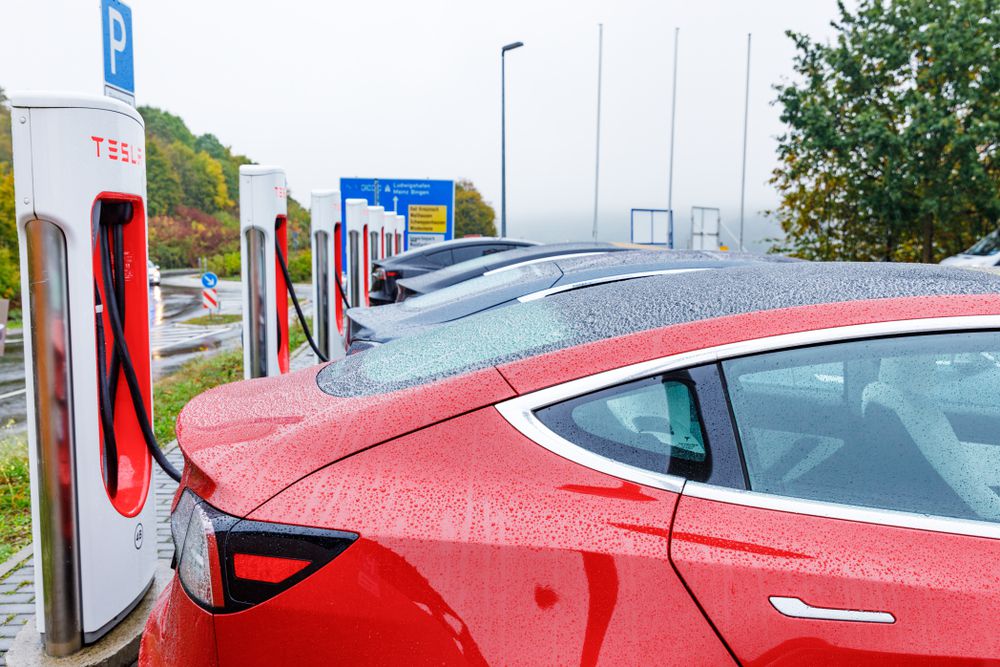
456 273
611 310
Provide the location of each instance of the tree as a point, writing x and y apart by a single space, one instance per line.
10 286
5 139
472 214
163 185
893 133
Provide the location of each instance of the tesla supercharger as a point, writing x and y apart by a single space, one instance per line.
373 246
391 224
327 243
263 231
356 222
400 230
80 183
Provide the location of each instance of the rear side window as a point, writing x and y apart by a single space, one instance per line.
909 423
651 424
440 258
468 252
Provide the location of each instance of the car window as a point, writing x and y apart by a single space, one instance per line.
909 424
651 424
440 258
467 252
477 286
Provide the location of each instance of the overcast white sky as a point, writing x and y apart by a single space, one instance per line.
405 89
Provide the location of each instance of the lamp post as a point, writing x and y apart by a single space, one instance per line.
503 134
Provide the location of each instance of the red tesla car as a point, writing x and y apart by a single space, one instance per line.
772 465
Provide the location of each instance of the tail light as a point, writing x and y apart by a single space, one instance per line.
227 564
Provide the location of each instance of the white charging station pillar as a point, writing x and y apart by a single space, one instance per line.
79 170
356 222
327 245
397 234
373 244
263 229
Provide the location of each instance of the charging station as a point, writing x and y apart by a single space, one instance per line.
400 231
327 247
391 225
80 183
356 221
263 232
373 243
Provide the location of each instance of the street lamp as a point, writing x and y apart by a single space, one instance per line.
503 135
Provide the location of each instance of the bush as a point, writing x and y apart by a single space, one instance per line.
300 266
225 265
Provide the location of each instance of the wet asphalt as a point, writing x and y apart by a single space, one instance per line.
170 303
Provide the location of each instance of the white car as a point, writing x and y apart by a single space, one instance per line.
153 271
986 252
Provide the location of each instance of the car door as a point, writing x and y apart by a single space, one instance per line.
869 533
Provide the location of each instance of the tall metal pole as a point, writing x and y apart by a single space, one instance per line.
503 134
597 150
746 114
503 144
673 117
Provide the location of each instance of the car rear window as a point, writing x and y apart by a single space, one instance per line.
479 285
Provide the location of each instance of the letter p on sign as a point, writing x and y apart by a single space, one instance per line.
116 28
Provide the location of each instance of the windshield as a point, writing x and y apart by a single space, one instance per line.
479 285
988 245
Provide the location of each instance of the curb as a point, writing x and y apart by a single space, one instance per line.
11 563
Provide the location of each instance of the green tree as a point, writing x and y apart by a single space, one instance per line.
163 185
893 133
10 285
472 214
166 126
201 178
5 139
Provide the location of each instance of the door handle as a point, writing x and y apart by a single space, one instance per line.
796 608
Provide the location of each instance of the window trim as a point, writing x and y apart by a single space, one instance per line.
830 510
519 412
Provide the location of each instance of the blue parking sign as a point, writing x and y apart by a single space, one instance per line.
116 28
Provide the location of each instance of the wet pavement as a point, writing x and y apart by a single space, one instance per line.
173 343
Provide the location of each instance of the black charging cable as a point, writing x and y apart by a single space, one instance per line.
295 302
113 291
340 288
109 464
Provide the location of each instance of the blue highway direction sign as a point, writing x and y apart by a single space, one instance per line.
428 206
209 280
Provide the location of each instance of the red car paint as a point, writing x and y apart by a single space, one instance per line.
479 546
943 589
241 446
566 566
178 632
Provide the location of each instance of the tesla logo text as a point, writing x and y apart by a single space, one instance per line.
280 191
120 151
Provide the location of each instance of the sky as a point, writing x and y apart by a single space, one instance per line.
404 89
